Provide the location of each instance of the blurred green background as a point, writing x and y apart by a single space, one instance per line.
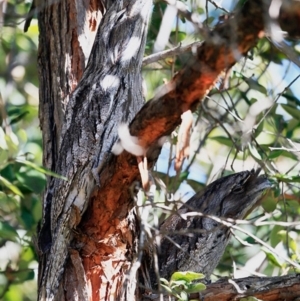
21 180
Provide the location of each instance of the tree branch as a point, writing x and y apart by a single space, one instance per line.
281 288
161 115
168 53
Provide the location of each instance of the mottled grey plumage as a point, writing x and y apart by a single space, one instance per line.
200 251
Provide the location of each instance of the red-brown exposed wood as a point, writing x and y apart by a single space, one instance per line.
108 257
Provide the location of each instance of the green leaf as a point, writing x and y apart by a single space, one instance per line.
272 258
287 179
197 186
275 239
260 127
27 219
165 281
291 126
3 157
12 143
269 202
293 111
187 276
274 154
3 197
10 186
24 275
179 285
168 290
18 118
178 36
254 153
32 179
183 175
8 232
40 169
3 143
250 240
209 20
293 245
284 235
195 288
26 256
291 98
36 208
184 296
253 84
222 140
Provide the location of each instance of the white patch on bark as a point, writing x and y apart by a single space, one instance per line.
109 81
127 142
162 140
131 49
76 197
117 149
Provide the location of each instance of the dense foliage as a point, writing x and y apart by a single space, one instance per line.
22 181
251 118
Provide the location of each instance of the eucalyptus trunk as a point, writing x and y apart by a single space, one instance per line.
85 93
90 57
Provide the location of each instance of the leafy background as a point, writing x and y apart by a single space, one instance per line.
21 180
251 119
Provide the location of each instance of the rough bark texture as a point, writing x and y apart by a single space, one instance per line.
284 288
110 91
67 32
79 131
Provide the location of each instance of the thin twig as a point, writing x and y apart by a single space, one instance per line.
169 53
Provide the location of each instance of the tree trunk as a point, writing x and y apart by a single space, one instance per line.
89 234
78 146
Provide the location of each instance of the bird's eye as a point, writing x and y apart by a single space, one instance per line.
237 189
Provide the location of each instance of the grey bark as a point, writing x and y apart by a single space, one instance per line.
109 92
